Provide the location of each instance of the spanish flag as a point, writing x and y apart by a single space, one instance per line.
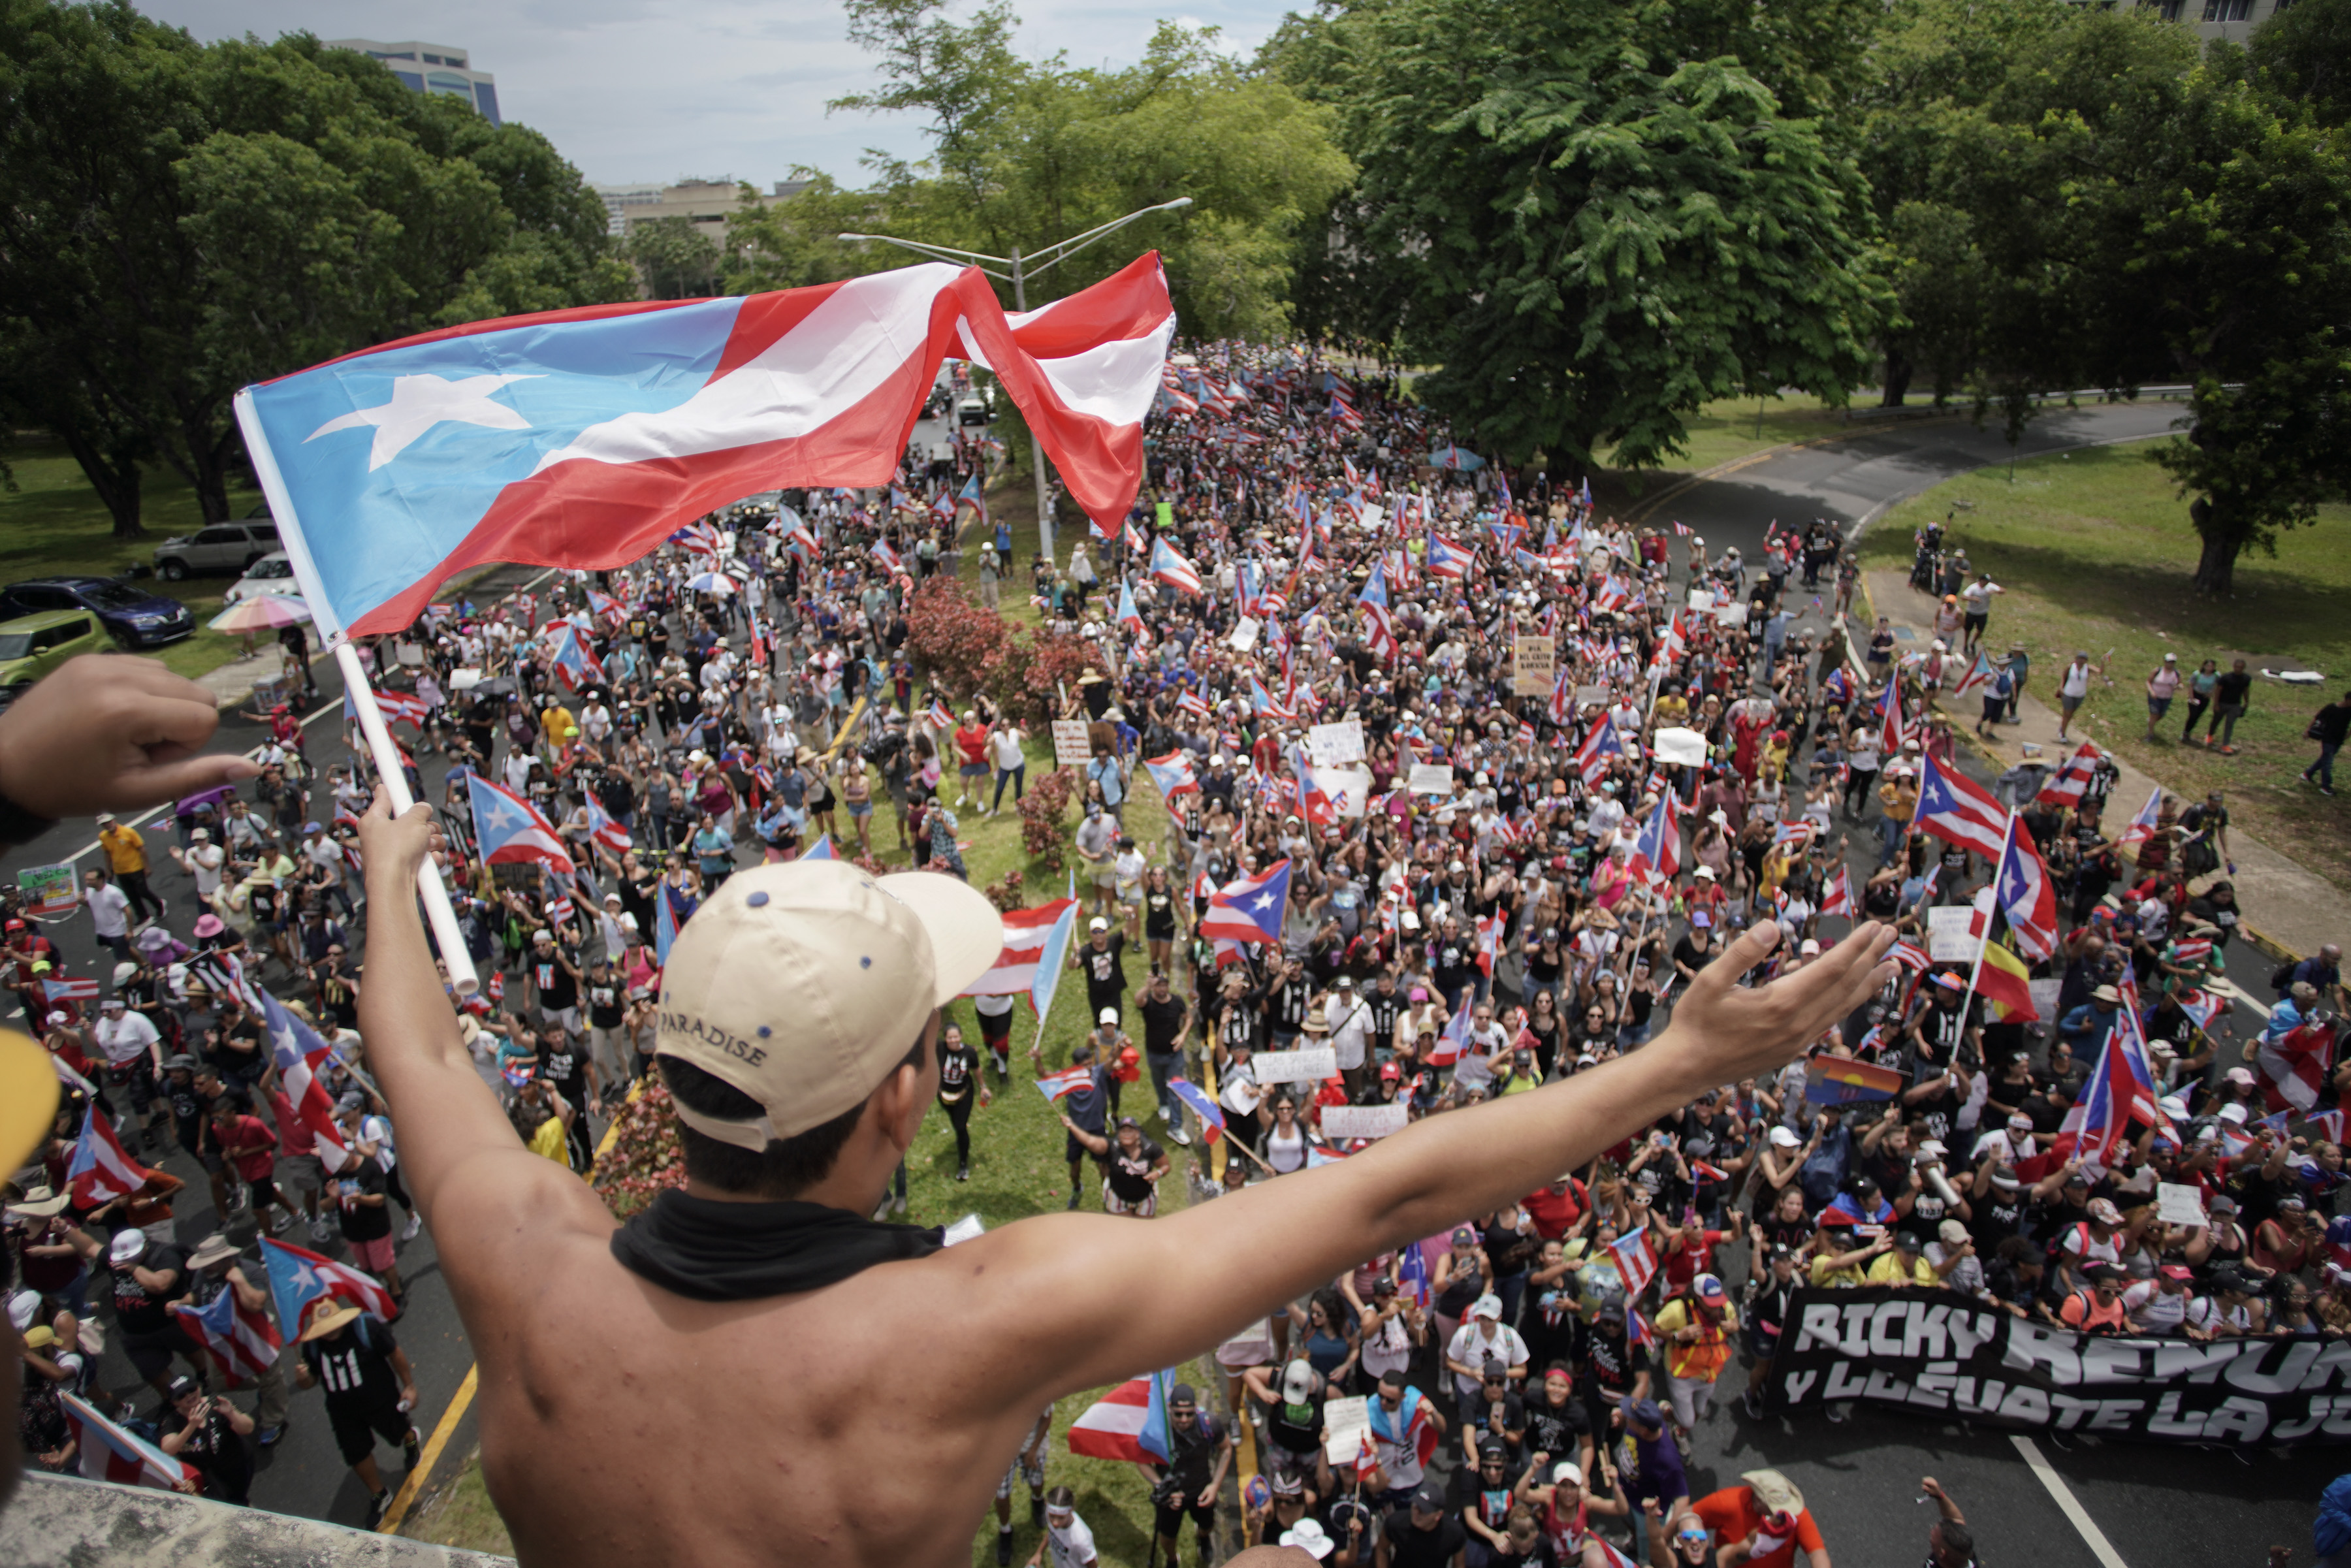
2004 983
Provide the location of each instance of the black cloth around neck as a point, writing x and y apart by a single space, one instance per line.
717 1252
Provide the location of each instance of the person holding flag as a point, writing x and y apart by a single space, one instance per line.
371 1389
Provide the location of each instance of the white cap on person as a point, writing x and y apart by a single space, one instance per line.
803 985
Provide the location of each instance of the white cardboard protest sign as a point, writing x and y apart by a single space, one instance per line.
1073 745
1363 1121
2178 1205
1350 788
1702 598
1244 635
1335 745
1949 939
1683 747
1534 664
1730 612
1312 1066
1348 1422
1430 779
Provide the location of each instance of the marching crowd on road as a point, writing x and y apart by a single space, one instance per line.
1464 780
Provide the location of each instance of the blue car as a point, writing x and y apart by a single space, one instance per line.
135 618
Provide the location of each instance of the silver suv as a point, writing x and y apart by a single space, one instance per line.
226 547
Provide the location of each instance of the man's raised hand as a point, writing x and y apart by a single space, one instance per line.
1736 1033
107 732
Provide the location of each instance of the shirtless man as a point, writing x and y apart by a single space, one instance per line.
849 1392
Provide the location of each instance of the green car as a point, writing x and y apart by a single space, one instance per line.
32 646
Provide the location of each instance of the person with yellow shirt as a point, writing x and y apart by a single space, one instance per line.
126 857
1695 1330
1833 1266
1905 1264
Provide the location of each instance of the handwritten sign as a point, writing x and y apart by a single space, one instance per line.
2180 1205
1363 1121
1348 1422
1702 598
1073 745
1335 745
1294 1066
1244 635
1948 939
1430 779
1534 664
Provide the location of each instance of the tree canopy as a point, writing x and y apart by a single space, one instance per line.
178 219
1596 218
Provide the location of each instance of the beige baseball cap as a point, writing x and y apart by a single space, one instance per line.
803 984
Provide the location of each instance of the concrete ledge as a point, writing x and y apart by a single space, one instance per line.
59 1522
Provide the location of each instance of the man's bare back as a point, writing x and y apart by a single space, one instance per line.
868 1421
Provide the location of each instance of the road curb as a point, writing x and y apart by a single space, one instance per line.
1733 465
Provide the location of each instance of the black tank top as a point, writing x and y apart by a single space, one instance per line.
1285 1428
1462 1290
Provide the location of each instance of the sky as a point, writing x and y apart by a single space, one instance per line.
634 91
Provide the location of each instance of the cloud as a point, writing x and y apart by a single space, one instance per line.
655 89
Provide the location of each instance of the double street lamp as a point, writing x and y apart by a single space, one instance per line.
1017 270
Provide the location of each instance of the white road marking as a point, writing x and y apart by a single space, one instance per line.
2070 1506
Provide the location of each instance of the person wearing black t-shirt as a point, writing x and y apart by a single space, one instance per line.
1167 1020
369 1388
1099 958
565 1069
363 1203
1134 1165
1557 1421
210 1435
959 1087
1423 1533
1200 1452
1383 1004
608 1004
145 1277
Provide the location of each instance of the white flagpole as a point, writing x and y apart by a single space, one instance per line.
1990 916
438 912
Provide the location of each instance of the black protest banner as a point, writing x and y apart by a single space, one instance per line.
1935 1352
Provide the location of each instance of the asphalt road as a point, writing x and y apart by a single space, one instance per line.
2153 1505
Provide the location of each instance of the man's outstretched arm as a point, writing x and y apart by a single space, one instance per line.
449 1121
1302 1231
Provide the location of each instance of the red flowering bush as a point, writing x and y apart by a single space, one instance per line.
956 641
643 1156
1007 894
1042 810
1032 671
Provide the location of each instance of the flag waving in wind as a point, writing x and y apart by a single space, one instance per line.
583 437
509 830
1169 567
1252 909
1958 810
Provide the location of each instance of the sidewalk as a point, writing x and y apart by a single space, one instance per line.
2288 911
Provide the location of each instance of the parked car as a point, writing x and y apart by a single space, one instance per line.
32 646
136 619
217 547
273 573
972 410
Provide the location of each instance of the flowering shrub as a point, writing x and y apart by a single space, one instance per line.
1033 670
643 1156
874 865
1007 894
956 641
1041 813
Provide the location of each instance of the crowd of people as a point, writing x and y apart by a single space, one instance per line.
1311 642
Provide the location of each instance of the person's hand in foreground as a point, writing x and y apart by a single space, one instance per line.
110 732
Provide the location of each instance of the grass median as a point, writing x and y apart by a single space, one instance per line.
2096 554
52 525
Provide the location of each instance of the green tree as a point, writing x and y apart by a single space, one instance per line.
1595 219
2305 52
177 220
675 259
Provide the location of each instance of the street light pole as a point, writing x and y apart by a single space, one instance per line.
1019 270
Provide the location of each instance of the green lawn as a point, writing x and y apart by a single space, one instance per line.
2096 552
52 524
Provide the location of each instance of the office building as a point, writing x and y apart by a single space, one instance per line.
707 203
432 67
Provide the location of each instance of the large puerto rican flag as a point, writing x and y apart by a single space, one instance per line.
1252 909
298 1050
109 1453
2027 896
1958 810
1128 1423
583 438
242 1339
299 1276
102 1169
1028 942
509 830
